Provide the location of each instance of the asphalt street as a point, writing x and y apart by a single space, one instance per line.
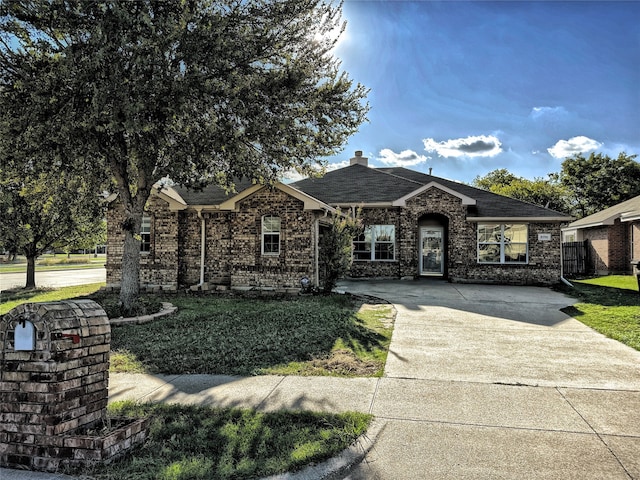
54 279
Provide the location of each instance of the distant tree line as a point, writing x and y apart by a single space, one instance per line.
584 185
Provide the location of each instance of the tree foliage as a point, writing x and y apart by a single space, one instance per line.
41 210
199 91
336 248
599 181
546 193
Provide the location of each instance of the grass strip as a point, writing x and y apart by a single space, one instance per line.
13 298
610 305
197 443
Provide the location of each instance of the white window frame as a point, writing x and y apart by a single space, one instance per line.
269 232
370 235
145 234
501 241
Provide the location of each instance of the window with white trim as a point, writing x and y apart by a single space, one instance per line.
145 234
503 243
270 235
376 242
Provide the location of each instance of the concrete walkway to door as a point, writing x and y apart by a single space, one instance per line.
487 381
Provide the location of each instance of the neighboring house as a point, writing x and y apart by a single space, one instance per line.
612 236
415 225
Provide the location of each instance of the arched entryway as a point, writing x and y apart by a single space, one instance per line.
433 230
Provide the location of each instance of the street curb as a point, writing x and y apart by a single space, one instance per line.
336 467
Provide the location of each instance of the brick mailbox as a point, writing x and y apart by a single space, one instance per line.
54 378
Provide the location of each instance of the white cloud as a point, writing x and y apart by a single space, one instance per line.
474 146
406 158
567 148
336 166
538 113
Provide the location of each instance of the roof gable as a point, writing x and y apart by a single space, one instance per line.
215 197
401 202
626 211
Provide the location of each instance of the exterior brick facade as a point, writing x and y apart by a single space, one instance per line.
612 235
408 200
158 266
543 267
610 247
233 244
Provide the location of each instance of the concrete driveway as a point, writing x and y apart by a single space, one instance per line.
486 381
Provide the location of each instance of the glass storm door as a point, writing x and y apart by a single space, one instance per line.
431 251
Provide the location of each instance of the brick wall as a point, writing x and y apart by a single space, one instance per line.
619 248
610 248
634 233
461 244
54 389
248 266
159 266
598 249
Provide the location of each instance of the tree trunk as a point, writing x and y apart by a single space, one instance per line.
31 272
130 274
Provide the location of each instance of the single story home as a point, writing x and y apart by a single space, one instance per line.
612 237
268 237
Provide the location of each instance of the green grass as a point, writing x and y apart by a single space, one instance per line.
610 305
192 442
48 263
13 298
242 336
625 282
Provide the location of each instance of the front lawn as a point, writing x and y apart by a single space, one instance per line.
249 336
610 305
12 298
200 443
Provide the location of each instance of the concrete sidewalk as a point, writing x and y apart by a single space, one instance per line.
482 382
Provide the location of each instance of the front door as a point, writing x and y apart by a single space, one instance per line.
431 250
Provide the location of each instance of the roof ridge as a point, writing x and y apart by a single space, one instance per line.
398 176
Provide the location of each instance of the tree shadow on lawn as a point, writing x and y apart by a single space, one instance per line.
605 296
239 336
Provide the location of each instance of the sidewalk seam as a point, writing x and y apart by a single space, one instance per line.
595 433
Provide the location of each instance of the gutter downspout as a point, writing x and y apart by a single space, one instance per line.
202 245
316 225
562 279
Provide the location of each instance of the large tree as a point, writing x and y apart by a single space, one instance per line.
199 91
39 211
599 181
546 193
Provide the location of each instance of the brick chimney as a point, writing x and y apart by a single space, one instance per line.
359 159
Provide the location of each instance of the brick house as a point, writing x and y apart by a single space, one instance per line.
415 225
612 236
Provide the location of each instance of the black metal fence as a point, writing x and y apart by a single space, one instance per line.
575 258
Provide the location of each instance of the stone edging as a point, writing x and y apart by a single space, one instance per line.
167 309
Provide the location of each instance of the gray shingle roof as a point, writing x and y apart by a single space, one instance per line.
360 184
211 194
629 207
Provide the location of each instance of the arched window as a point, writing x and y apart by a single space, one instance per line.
270 235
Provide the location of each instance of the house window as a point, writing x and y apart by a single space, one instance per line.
270 235
145 234
377 242
502 243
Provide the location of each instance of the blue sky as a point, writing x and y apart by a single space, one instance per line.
469 87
